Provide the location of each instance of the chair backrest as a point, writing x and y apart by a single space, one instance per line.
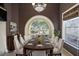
17 43
27 38
61 42
55 41
51 40
22 40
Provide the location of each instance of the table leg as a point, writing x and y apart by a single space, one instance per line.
51 52
31 53
24 51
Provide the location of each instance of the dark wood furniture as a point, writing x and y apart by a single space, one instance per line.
10 43
35 47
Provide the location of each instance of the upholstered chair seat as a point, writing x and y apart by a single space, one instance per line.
56 50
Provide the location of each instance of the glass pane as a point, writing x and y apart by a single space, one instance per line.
71 28
39 26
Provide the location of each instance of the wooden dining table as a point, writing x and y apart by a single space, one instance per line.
34 46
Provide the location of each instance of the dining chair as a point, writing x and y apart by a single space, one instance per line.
19 47
55 40
22 40
27 38
51 41
58 45
58 48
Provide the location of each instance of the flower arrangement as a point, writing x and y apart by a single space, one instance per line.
57 33
39 39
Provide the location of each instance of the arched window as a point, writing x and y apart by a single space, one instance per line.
39 25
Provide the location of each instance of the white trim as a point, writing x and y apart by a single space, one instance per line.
71 8
3 8
71 45
38 16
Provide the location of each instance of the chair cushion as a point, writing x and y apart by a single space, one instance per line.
56 50
17 43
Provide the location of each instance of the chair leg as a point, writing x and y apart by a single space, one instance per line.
31 53
60 54
46 52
